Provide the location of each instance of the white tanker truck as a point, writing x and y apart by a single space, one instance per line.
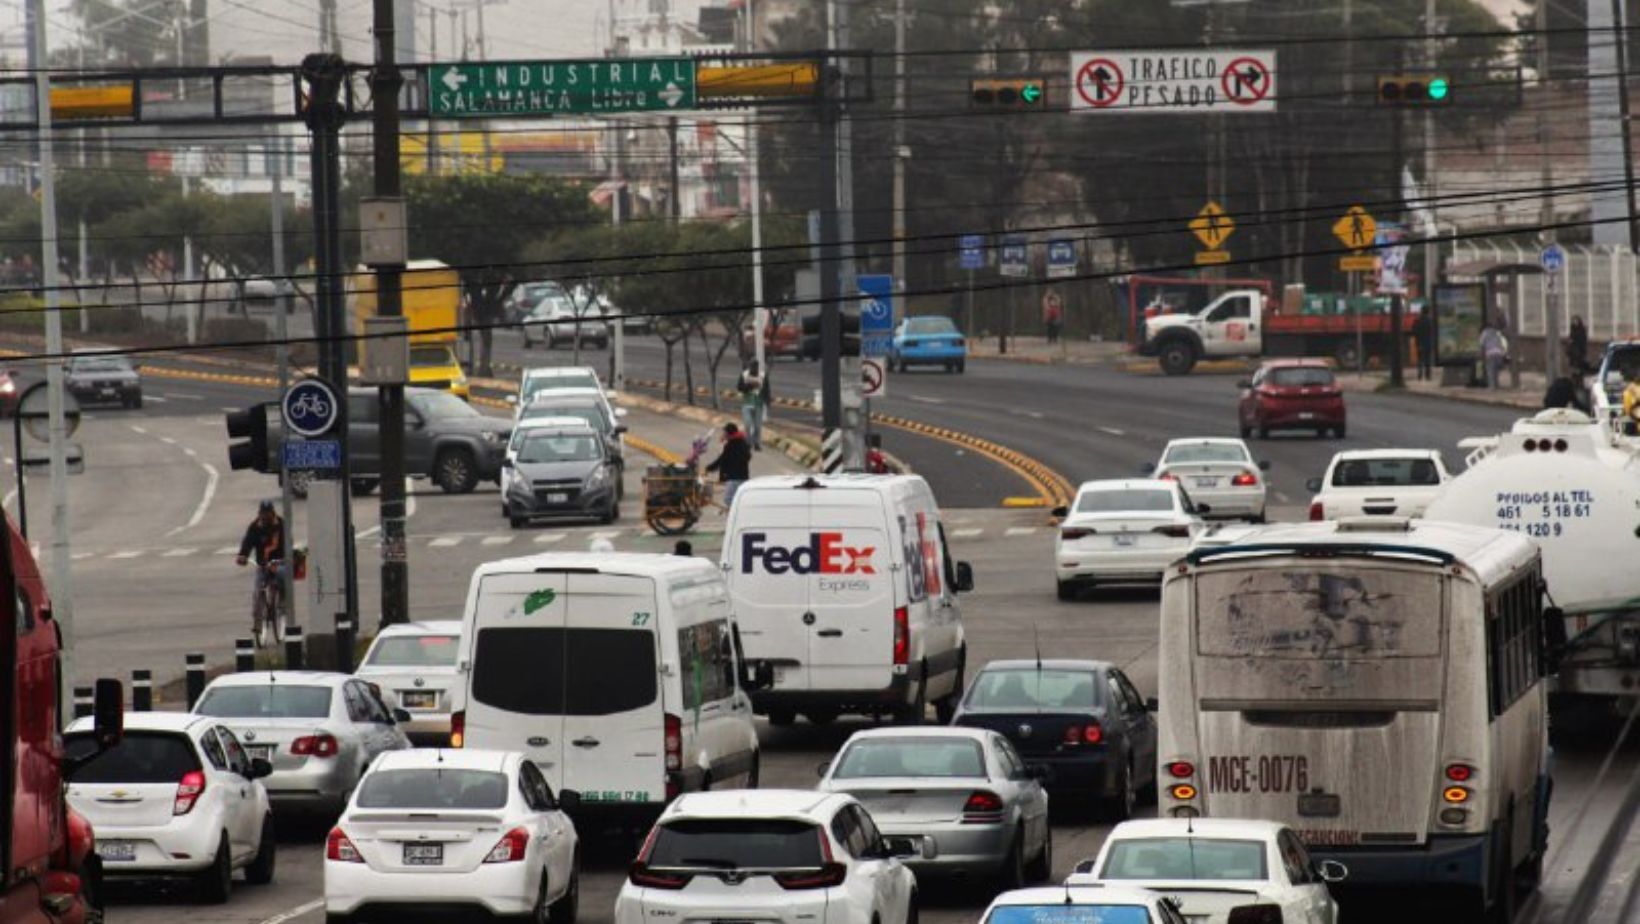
1573 485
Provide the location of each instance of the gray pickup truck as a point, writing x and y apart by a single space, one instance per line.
446 440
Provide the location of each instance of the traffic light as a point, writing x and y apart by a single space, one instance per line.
851 332
250 425
1008 93
1414 90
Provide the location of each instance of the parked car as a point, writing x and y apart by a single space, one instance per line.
454 830
1378 482
1213 867
560 469
769 855
176 797
928 341
964 794
414 665
1101 904
100 378
1082 720
1217 473
1292 394
318 731
1123 531
558 319
526 295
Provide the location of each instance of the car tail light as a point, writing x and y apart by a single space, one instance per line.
1090 733
1181 769
1173 532
1255 914
1317 512
340 849
673 742
1245 480
982 808
1076 532
188 792
1183 792
511 848
315 746
902 635
458 728
827 876
639 873
1459 773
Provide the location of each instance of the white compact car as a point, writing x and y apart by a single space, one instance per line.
177 797
1213 865
1378 483
319 730
414 665
456 830
773 856
1219 473
1123 531
543 379
1100 904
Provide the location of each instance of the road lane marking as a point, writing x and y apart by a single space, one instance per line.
178 553
211 477
189 452
156 399
128 553
496 540
227 550
1282 497
294 913
444 542
549 538
1036 415
966 533
1113 431
176 397
926 400
168 440
1019 530
137 429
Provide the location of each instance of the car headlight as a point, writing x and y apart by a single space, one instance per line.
494 438
598 477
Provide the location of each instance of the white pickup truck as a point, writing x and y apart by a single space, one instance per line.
1242 323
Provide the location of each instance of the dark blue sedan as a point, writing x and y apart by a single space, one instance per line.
928 341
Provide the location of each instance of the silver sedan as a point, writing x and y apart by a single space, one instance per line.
319 730
963 793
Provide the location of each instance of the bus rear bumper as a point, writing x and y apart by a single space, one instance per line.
1442 862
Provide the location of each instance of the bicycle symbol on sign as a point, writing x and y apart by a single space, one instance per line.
310 406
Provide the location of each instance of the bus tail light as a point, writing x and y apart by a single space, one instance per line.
672 742
1459 773
1181 769
1455 794
1256 914
1183 792
1454 817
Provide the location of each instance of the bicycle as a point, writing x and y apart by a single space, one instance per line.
267 626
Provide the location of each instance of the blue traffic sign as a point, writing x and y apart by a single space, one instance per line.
1015 257
310 408
1553 258
312 455
876 314
971 251
1061 258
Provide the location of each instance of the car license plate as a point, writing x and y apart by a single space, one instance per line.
117 851
418 699
107 392
1206 482
557 498
1320 805
423 854
259 751
1125 540
1306 415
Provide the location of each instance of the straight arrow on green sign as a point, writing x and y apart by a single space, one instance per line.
532 88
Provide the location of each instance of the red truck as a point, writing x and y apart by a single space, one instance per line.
49 871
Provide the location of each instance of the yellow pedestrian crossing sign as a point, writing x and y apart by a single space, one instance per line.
1211 226
1356 229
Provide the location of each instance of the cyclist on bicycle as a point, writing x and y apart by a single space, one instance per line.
265 541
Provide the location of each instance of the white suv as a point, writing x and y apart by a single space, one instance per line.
1378 482
177 797
775 856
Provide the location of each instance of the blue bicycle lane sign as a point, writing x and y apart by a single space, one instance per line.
310 408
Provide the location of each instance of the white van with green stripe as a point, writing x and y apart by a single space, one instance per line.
618 674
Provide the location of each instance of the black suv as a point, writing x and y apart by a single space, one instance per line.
445 439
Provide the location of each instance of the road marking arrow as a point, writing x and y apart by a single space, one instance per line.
454 79
672 95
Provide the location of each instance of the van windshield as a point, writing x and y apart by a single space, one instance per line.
552 671
1318 613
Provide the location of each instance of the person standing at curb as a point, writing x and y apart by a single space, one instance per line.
1425 344
1053 316
1577 348
733 464
752 403
1495 352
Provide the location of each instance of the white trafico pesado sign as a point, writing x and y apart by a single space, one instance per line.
1173 81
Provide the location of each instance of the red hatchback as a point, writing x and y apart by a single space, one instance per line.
1292 394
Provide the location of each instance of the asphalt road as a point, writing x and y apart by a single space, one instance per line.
157 485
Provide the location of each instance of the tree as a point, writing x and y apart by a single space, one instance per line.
238 236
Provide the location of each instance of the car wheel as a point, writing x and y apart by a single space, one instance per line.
260 872
91 893
568 905
756 773
945 708
1012 874
455 472
962 366
1338 431
1263 432
1120 806
1068 591
915 712
216 883
1177 358
137 401
1246 431
1041 868
610 515
517 522
333 918
821 716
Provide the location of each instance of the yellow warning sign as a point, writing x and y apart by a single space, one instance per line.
1356 229
1211 226
1210 257
1359 263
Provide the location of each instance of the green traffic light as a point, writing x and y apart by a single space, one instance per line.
1030 93
1438 88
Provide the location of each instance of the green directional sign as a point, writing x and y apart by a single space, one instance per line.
534 88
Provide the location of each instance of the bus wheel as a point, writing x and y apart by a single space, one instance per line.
1502 910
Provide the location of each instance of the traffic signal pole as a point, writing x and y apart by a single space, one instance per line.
831 320
385 84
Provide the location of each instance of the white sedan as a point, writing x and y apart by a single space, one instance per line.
1378 482
414 666
1123 531
1219 473
1212 865
460 829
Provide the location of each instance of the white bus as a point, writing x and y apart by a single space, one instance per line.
1375 684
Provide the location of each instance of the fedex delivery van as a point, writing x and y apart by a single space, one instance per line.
845 586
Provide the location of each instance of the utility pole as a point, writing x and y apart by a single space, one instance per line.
831 320
673 203
1620 38
281 352
85 246
431 154
1397 346
842 266
385 85
760 314
1432 247
193 311
62 600
1546 215
900 153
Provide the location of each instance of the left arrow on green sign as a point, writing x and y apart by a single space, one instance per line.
454 79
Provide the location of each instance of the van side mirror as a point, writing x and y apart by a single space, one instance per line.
620 430
965 577
108 713
1060 512
506 462
756 675
1331 871
1313 485
569 800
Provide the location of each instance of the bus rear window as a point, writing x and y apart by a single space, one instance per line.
1319 613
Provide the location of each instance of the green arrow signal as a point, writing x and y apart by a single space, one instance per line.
1030 93
1438 88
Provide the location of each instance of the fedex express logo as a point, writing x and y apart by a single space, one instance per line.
825 554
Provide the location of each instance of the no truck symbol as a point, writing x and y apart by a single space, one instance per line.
1245 81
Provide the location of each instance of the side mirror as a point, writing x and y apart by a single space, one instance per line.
1313 485
1244 384
1204 508
1332 871
569 800
908 847
260 768
620 430
400 716
1060 512
1151 705
620 412
1264 465
822 768
965 577
506 462
758 675
108 713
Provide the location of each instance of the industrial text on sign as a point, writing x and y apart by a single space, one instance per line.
825 554
580 86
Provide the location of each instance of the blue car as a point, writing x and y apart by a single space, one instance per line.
928 341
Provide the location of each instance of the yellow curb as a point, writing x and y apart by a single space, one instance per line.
660 453
1024 502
